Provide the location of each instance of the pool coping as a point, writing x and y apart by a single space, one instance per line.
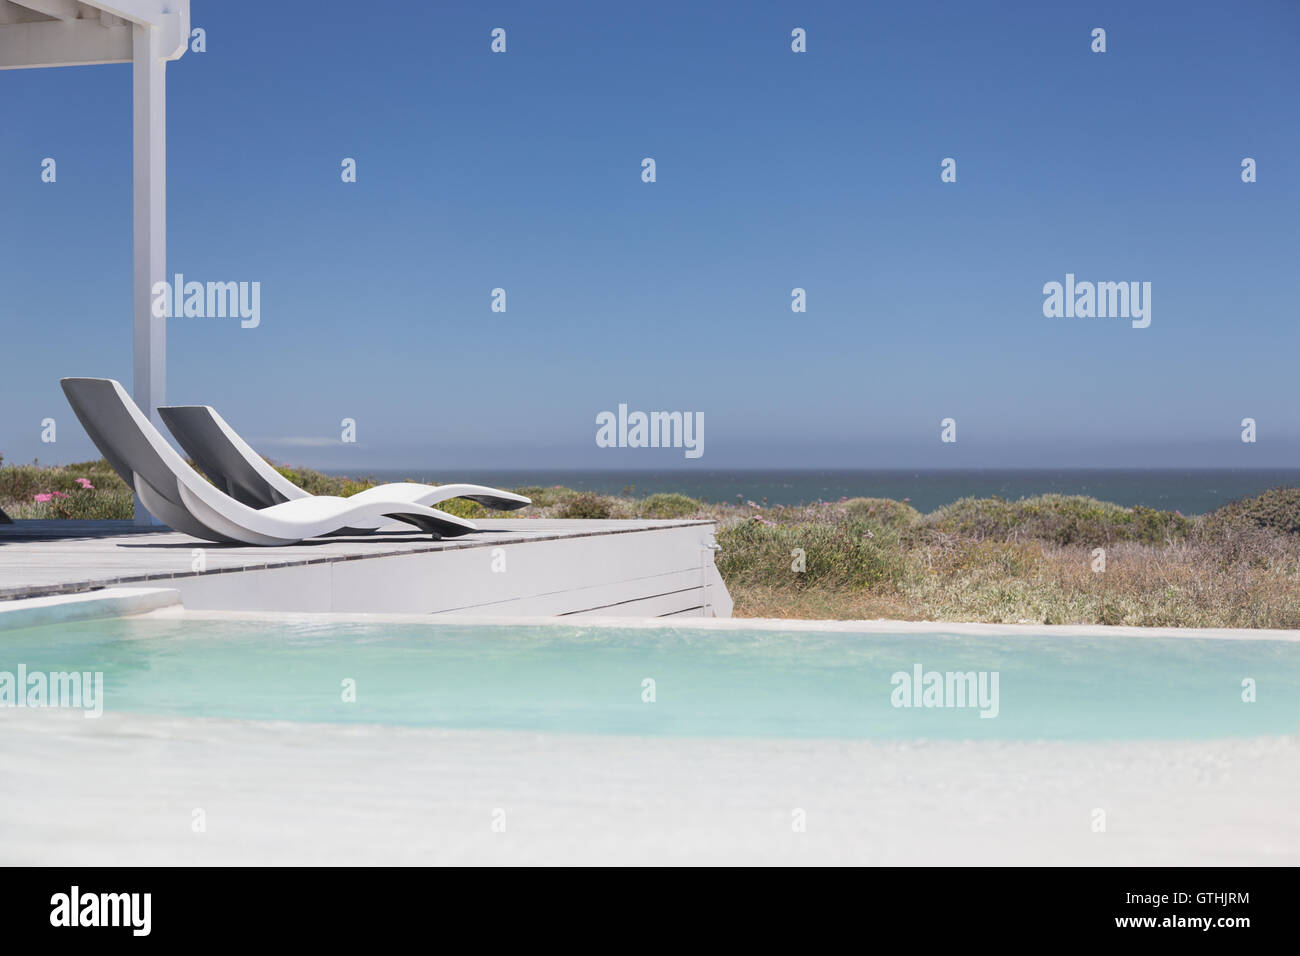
875 626
85 606
166 603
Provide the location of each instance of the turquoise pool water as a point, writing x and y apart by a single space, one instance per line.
706 682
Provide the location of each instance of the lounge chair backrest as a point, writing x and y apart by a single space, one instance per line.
226 458
139 454
122 434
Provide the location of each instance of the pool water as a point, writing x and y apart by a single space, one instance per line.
751 683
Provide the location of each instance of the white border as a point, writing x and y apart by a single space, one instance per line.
878 626
89 605
166 603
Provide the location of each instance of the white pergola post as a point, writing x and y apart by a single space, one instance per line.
146 34
150 210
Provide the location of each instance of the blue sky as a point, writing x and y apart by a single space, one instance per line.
775 170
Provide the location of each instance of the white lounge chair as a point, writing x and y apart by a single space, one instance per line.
232 465
184 500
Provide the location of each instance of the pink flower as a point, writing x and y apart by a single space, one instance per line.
42 498
59 494
85 483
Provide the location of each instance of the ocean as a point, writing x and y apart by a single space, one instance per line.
1189 491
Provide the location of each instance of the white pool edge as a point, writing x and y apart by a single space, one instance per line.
166 602
877 626
91 605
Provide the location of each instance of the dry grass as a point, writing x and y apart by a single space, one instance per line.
1176 586
1004 562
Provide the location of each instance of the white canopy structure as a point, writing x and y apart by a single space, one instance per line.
146 33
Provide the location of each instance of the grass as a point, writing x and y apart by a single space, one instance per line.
1029 561
108 499
985 559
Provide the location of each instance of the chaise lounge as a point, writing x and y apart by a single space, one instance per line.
185 501
242 473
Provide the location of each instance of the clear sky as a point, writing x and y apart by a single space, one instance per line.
775 170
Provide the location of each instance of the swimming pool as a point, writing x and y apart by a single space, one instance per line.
678 681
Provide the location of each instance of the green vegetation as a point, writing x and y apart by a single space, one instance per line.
983 559
316 483
586 505
670 506
546 497
838 555
1277 510
1030 561
38 491
1060 519
883 512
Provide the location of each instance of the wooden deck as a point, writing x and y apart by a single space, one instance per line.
512 566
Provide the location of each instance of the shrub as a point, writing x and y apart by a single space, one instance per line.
669 506
586 505
1060 519
836 556
21 482
882 512
109 499
1277 509
464 508
544 497
318 483
115 504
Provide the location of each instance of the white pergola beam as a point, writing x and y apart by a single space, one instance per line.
58 9
69 41
172 17
152 12
63 43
